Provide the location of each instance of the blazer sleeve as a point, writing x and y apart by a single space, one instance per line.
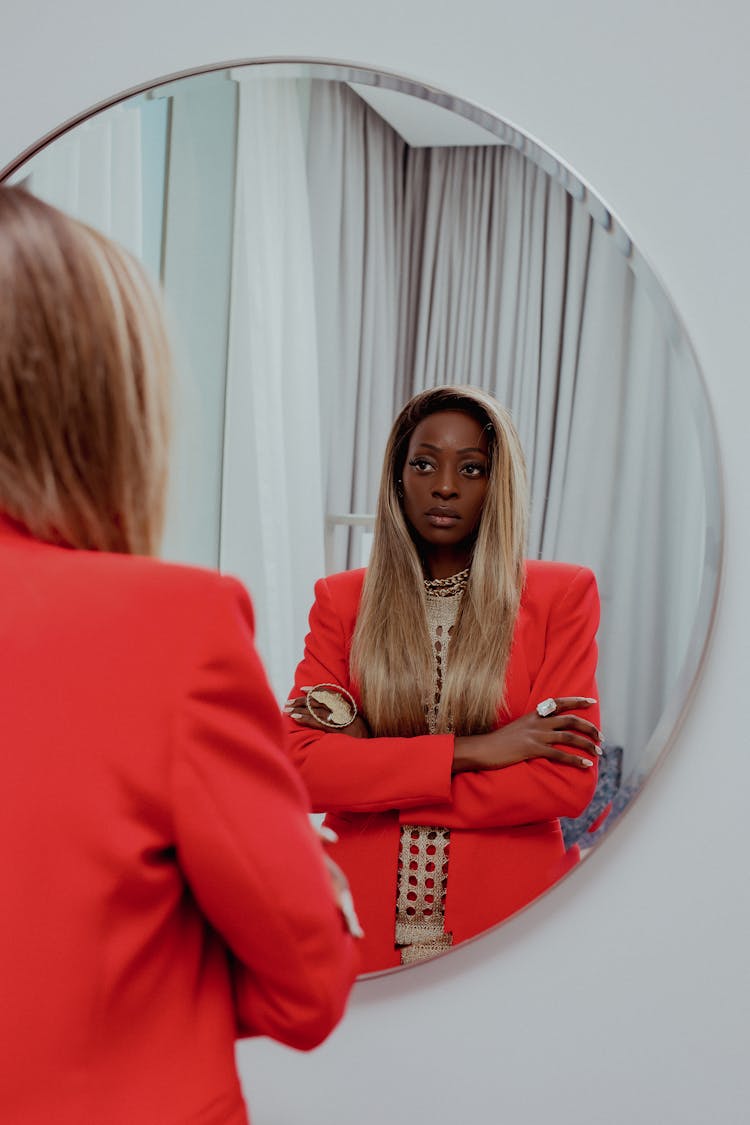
539 789
244 839
343 773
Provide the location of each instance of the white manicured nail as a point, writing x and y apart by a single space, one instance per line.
346 902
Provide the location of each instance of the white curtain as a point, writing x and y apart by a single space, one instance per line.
272 498
196 266
95 173
355 177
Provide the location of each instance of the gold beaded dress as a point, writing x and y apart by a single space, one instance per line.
424 849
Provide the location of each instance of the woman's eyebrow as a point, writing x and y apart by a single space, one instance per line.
439 448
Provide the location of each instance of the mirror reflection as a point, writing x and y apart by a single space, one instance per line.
470 672
333 242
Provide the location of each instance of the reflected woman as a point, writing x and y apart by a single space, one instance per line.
472 672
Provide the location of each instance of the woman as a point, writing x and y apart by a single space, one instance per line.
447 787
162 889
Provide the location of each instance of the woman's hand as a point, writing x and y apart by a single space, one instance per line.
339 883
343 896
297 709
530 737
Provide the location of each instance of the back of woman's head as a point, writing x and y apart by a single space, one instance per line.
84 383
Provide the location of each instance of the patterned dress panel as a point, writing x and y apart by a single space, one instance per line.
424 849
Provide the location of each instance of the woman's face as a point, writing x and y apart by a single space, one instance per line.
445 480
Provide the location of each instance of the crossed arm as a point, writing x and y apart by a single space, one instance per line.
529 769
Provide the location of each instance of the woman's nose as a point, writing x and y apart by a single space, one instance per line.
445 485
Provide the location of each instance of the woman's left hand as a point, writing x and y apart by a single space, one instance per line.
297 709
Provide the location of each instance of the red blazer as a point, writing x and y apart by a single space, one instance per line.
506 844
162 890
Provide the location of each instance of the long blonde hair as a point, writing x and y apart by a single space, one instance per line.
391 649
84 384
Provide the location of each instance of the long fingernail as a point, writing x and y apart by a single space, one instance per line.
586 762
350 914
297 715
327 834
586 699
598 750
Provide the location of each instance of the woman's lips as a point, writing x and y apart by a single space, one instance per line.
442 517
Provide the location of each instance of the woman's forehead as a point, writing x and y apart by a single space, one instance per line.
451 430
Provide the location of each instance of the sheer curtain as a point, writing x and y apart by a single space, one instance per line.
272 498
196 263
355 176
95 173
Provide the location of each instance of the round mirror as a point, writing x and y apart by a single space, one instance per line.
332 240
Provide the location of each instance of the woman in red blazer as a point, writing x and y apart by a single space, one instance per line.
162 889
447 787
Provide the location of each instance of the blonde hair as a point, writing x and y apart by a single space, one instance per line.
391 648
84 383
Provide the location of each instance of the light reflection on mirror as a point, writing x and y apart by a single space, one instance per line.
331 241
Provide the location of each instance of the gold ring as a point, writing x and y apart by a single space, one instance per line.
340 703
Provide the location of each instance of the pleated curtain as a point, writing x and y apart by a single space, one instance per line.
272 496
356 191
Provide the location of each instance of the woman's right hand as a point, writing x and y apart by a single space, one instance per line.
339 883
530 737
297 709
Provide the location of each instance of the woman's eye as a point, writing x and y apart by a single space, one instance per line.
473 470
420 464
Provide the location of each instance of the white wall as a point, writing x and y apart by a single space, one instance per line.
624 995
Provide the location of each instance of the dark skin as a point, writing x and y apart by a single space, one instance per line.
444 483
